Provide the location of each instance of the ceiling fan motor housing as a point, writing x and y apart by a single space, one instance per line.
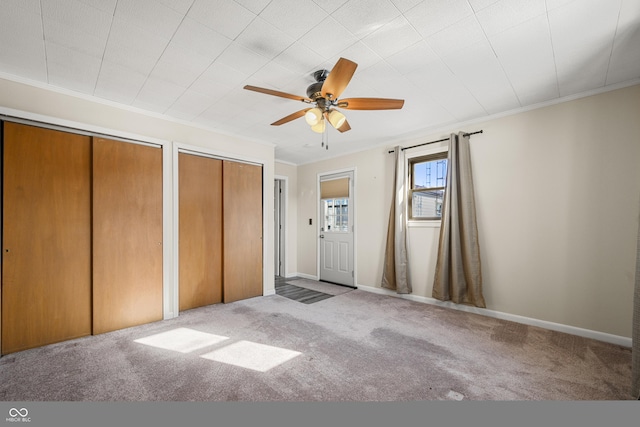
314 89
321 75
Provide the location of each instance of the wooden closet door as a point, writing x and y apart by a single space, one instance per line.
127 235
46 255
242 220
200 238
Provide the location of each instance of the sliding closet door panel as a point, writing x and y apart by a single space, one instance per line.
127 235
46 274
242 201
200 213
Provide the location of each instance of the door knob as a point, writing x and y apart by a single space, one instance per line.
322 236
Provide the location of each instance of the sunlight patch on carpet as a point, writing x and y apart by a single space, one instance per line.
454 395
250 355
183 340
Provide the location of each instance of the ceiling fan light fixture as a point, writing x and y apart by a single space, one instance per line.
325 94
313 116
318 127
336 118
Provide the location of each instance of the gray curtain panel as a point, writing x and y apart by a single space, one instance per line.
395 274
635 346
458 275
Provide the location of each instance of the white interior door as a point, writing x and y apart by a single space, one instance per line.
336 229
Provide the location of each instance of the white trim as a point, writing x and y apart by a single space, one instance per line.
284 207
335 172
198 150
304 276
76 131
427 223
269 292
568 329
446 128
284 162
26 117
427 150
406 137
173 294
169 309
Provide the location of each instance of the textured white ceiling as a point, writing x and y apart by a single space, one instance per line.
450 60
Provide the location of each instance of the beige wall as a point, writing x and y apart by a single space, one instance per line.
558 192
373 183
86 112
65 109
558 196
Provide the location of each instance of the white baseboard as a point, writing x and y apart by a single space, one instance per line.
269 292
586 333
304 276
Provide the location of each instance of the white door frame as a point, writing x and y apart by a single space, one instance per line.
282 235
353 208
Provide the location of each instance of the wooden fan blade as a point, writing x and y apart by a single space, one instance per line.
371 104
277 93
290 117
338 79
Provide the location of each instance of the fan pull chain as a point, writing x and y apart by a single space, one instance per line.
326 132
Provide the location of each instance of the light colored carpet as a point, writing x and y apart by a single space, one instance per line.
356 346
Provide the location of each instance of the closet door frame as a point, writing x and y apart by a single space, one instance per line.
267 271
168 292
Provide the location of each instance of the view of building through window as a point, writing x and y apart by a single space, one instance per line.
428 181
336 214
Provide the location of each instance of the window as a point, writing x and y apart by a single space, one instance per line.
428 178
335 204
336 215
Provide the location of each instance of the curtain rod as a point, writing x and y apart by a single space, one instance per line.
433 142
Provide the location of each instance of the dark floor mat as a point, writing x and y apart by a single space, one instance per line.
296 293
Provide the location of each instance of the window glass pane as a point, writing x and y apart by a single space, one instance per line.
430 174
427 204
336 215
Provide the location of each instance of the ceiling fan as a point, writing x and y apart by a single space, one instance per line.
325 95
